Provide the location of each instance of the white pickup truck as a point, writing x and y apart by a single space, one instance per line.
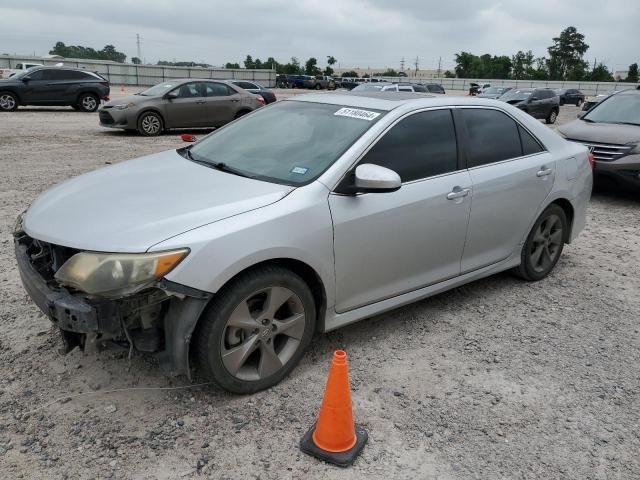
20 67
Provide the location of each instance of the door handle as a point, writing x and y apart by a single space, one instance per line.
543 172
235 99
458 192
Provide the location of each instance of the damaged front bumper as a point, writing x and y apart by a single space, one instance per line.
159 319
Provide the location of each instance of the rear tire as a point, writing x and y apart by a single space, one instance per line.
255 330
552 117
8 102
88 102
150 124
543 247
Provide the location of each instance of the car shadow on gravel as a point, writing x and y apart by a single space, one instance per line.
611 191
133 133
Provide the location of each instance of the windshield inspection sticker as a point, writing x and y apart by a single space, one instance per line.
357 113
299 170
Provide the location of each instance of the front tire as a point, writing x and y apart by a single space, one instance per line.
544 245
8 102
256 330
150 124
88 102
552 117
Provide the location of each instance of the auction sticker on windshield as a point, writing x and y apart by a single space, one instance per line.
357 113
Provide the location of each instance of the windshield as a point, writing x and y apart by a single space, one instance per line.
290 142
516 94
159 89
616 109
495 90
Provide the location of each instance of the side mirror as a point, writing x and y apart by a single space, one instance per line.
171 95
370 178
581 114
187 137
26 79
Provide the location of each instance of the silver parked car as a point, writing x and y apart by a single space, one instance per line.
307 215
187 103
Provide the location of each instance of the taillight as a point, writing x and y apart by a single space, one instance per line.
591 163
260 99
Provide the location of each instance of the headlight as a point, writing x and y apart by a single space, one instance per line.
17 227
116 274
123 106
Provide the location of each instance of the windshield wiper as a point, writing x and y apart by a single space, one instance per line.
627 123
588 120
223 167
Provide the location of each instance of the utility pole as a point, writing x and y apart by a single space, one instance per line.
439 66
138 44
402 65
416 65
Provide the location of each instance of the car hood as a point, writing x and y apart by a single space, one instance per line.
133 205
601 132
137 99
489 95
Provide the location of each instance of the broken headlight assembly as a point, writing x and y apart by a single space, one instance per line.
117 274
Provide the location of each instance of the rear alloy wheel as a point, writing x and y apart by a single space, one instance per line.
88 102
553 116
579 102
256 330
8 102
150 124
544 245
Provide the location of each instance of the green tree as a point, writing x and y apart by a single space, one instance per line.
109 52
632 74
566 55
248 62
600 73
292 68
350 74
231 65
449 74
464 64
390 72
136 60
311 67
521 65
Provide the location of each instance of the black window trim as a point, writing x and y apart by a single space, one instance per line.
460 164
465 135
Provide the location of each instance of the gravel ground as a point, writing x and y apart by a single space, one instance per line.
496 379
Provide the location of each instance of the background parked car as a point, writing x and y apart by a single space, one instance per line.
297 81
54 86
540 103
611 130
494 92
320 82
19 68
347 83
570 95
435 88
592 101
187 103
265 93
405 87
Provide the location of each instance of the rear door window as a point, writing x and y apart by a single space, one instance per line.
218 90
492 136
529 144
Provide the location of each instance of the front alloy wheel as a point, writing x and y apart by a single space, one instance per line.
553 116
544 244
256 330
88 102
150 124
8 102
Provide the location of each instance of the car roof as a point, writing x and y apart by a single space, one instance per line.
61 67
387 101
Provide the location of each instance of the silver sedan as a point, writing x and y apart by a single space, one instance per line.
304 216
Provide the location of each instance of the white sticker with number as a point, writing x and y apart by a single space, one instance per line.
357 113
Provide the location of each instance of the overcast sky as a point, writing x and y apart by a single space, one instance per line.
359 33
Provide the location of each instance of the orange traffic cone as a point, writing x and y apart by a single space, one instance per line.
335 438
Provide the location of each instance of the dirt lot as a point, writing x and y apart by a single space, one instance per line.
497 379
